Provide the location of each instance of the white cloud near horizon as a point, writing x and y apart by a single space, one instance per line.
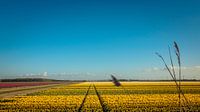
190 72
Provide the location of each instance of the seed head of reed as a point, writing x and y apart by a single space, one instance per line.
115 81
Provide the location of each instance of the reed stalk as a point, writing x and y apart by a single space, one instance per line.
173 73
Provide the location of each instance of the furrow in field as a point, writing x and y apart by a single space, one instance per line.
103 105
91 103
81 106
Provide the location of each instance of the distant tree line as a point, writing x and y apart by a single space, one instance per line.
53 80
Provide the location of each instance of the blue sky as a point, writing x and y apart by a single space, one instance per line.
90 39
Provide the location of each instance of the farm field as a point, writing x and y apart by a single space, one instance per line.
28 87
104 96
22 84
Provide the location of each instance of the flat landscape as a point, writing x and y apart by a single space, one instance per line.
99 56
10 89
105 96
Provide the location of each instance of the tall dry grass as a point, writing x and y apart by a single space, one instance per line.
174 75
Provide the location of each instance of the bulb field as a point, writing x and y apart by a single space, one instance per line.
104 96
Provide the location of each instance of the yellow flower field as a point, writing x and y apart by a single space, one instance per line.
104 96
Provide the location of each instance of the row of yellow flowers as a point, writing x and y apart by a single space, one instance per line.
127 98
92 102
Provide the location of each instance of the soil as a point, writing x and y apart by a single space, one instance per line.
18 91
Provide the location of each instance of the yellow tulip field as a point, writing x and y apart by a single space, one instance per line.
105 97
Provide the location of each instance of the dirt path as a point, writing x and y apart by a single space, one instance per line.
11 92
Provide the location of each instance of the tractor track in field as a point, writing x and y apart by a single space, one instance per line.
103 105
80 108
16 91
11 92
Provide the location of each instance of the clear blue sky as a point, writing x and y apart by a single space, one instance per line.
95 37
